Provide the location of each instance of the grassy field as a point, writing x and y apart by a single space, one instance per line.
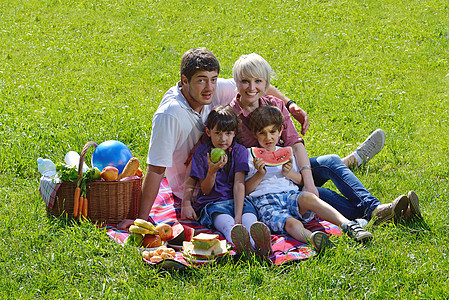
76 71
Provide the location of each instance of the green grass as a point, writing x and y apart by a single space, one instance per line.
75 71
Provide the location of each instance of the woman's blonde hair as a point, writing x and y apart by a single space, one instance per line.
252 66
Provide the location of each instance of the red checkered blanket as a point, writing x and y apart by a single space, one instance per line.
166 209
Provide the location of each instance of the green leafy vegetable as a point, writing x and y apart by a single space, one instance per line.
66 173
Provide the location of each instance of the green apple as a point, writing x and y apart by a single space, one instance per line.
216 154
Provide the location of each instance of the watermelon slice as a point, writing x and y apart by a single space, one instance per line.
178 234
181 233
273 158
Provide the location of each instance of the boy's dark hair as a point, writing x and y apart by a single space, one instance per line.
198 59
264 116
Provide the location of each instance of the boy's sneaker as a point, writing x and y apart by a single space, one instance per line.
262 238
391 211
320 241
240 239
353 229
413 202
370 147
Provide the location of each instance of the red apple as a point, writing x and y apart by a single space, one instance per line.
109 173
165 231
152 241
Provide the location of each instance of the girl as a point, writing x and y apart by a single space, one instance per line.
221 202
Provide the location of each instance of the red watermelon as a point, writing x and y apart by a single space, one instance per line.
273 158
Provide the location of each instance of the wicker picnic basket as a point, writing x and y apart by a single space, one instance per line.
109 202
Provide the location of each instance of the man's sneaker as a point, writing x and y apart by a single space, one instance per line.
262 238
391 211
240 239
353 230
413 202
370 147
320 241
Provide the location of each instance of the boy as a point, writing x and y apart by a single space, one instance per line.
275 192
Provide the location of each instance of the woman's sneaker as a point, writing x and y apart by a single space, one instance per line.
355 231
320 241
262 238
370 147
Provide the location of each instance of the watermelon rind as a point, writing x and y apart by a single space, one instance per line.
273 158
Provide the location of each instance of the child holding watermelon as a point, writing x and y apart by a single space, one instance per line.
275 192
221 202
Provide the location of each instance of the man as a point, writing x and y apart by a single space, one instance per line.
178 123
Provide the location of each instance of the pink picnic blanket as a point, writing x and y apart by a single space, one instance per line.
167 210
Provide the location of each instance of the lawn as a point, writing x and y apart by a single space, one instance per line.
79 71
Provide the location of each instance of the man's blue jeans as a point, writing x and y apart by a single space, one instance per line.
355 201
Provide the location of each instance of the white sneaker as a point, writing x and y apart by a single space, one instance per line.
370 147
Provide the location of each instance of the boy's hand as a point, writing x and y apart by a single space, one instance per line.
287 167
213 168
259 165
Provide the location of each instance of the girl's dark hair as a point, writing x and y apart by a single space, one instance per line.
223 118
264 116
198 59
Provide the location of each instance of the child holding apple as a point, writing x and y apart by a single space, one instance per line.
221 203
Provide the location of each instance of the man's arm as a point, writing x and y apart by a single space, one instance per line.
150 189
294 109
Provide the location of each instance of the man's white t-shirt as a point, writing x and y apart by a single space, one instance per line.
273 182
177 128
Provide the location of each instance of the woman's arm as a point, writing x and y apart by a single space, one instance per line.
299 114
239 196
302 159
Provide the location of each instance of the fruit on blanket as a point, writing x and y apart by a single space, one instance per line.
178 234
152 241
109 173
272 158
147 225
111 153
165 231
138 229
216 154
134 239
189 232
130 168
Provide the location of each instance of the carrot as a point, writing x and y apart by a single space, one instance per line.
85 208
76 202
80 208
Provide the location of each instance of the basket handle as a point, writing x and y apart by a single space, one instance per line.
82 155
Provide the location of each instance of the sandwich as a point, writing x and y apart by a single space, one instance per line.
204 246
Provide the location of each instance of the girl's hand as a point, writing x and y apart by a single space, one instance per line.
287 167
187 212
213 168
260 166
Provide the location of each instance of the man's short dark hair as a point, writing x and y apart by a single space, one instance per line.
198 59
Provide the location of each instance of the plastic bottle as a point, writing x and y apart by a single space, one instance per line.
46 167
72 158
